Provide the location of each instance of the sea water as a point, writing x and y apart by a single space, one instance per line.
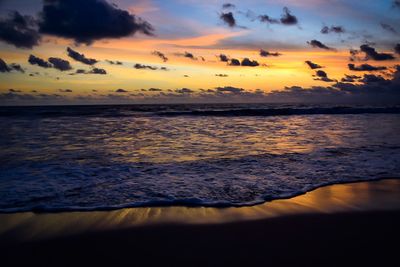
107 157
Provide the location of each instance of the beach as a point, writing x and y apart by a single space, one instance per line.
354 224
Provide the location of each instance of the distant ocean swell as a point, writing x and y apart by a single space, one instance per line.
284 112
180 110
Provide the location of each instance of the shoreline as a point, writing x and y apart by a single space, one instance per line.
181 203
366 196
353 224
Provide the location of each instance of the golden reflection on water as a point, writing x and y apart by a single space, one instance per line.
188 139
363 196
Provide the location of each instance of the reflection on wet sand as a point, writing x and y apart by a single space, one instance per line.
362 196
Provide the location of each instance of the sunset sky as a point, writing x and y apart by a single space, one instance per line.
181 51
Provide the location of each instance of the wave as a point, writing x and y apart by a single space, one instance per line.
284 112
186 202
222 110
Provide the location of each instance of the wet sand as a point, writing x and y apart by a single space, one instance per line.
340 225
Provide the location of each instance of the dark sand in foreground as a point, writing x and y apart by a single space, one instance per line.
341 225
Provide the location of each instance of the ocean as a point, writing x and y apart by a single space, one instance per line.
59 158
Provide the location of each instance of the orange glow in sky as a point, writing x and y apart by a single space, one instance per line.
198 29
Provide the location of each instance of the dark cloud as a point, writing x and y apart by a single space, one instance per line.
154 90
322 76
160 55
116 62
187 55
19 30
312 65
388 28
318 44
354 55
337 29
325 79
17 67
396 3
60 64
223 58
33 60
121 91
81 71
17 97
228 19
371 53
365 67
371 89
338 93
287 18
332 29
3 66
229 89
141 66
184 91
325 30
92 71
397 49
370 78
264 53
221 75
267 19
350 78
65 90
33 74
234 62
264 18
80 57
246 62
98 71
228 6
89 20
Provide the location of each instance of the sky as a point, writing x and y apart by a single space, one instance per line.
189 51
